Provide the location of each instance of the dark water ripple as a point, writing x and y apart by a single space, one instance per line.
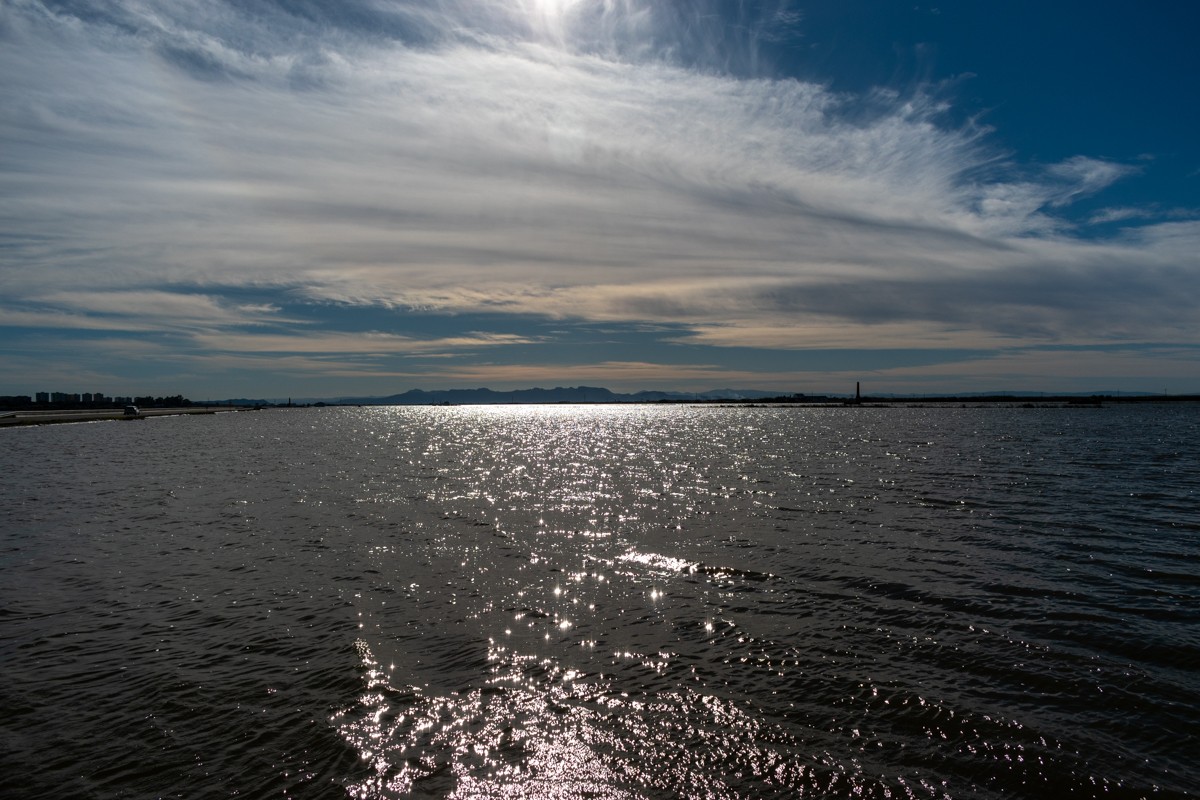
604 602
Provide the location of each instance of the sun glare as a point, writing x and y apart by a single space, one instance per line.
549 7
549 13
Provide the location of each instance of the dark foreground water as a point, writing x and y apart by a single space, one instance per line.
605 602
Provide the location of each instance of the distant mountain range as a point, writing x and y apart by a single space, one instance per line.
559 394
596 394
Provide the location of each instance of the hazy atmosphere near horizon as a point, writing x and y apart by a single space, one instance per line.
289 197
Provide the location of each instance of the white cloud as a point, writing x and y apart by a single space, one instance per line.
1119 214
364 344
159 309
1083 176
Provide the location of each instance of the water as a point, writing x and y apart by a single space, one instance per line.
607 602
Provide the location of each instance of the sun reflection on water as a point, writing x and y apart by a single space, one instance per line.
525 733
654 626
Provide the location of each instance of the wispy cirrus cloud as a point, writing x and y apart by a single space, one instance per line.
162 308
367 343
1082 176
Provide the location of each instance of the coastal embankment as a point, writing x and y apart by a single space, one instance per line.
12 418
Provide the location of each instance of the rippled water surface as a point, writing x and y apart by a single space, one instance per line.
605 602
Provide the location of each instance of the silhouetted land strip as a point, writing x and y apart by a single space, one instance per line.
49 417
1039 400
592 395
816 401
16 418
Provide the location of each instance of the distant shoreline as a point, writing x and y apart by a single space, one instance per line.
1036 401
13 419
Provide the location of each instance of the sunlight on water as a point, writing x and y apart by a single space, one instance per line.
515 736
659 562
537 730
641 644
605 602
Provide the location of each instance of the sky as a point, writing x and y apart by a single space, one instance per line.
296 198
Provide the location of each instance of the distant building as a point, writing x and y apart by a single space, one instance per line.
100 400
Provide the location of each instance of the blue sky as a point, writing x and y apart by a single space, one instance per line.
296 198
